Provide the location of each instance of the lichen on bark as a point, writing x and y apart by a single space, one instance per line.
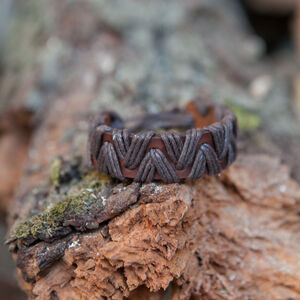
84 196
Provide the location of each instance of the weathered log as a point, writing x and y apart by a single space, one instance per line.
232 237
76 234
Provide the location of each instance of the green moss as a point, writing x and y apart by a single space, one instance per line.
95 179
247 120
55 171
77 203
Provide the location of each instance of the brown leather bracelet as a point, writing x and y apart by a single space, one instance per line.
145 154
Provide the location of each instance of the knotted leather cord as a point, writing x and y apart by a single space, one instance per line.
137 149
173 145
108 161
131 151
189 148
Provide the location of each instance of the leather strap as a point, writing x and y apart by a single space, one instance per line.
215 149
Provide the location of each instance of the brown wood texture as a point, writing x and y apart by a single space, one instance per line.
76 234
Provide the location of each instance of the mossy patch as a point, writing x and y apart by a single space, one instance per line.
77 203
65 171
55 171
247 120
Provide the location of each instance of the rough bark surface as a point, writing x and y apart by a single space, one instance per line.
76 234
230 237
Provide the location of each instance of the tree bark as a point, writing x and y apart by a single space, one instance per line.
232 237
77 234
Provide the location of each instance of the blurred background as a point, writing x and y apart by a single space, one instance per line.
142 55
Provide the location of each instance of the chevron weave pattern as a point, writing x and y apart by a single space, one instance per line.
112 150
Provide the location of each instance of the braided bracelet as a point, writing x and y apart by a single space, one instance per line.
169 146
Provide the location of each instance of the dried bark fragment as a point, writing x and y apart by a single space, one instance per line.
89 202
216 238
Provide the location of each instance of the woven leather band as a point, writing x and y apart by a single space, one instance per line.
145 154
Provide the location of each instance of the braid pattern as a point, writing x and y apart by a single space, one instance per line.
133 152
